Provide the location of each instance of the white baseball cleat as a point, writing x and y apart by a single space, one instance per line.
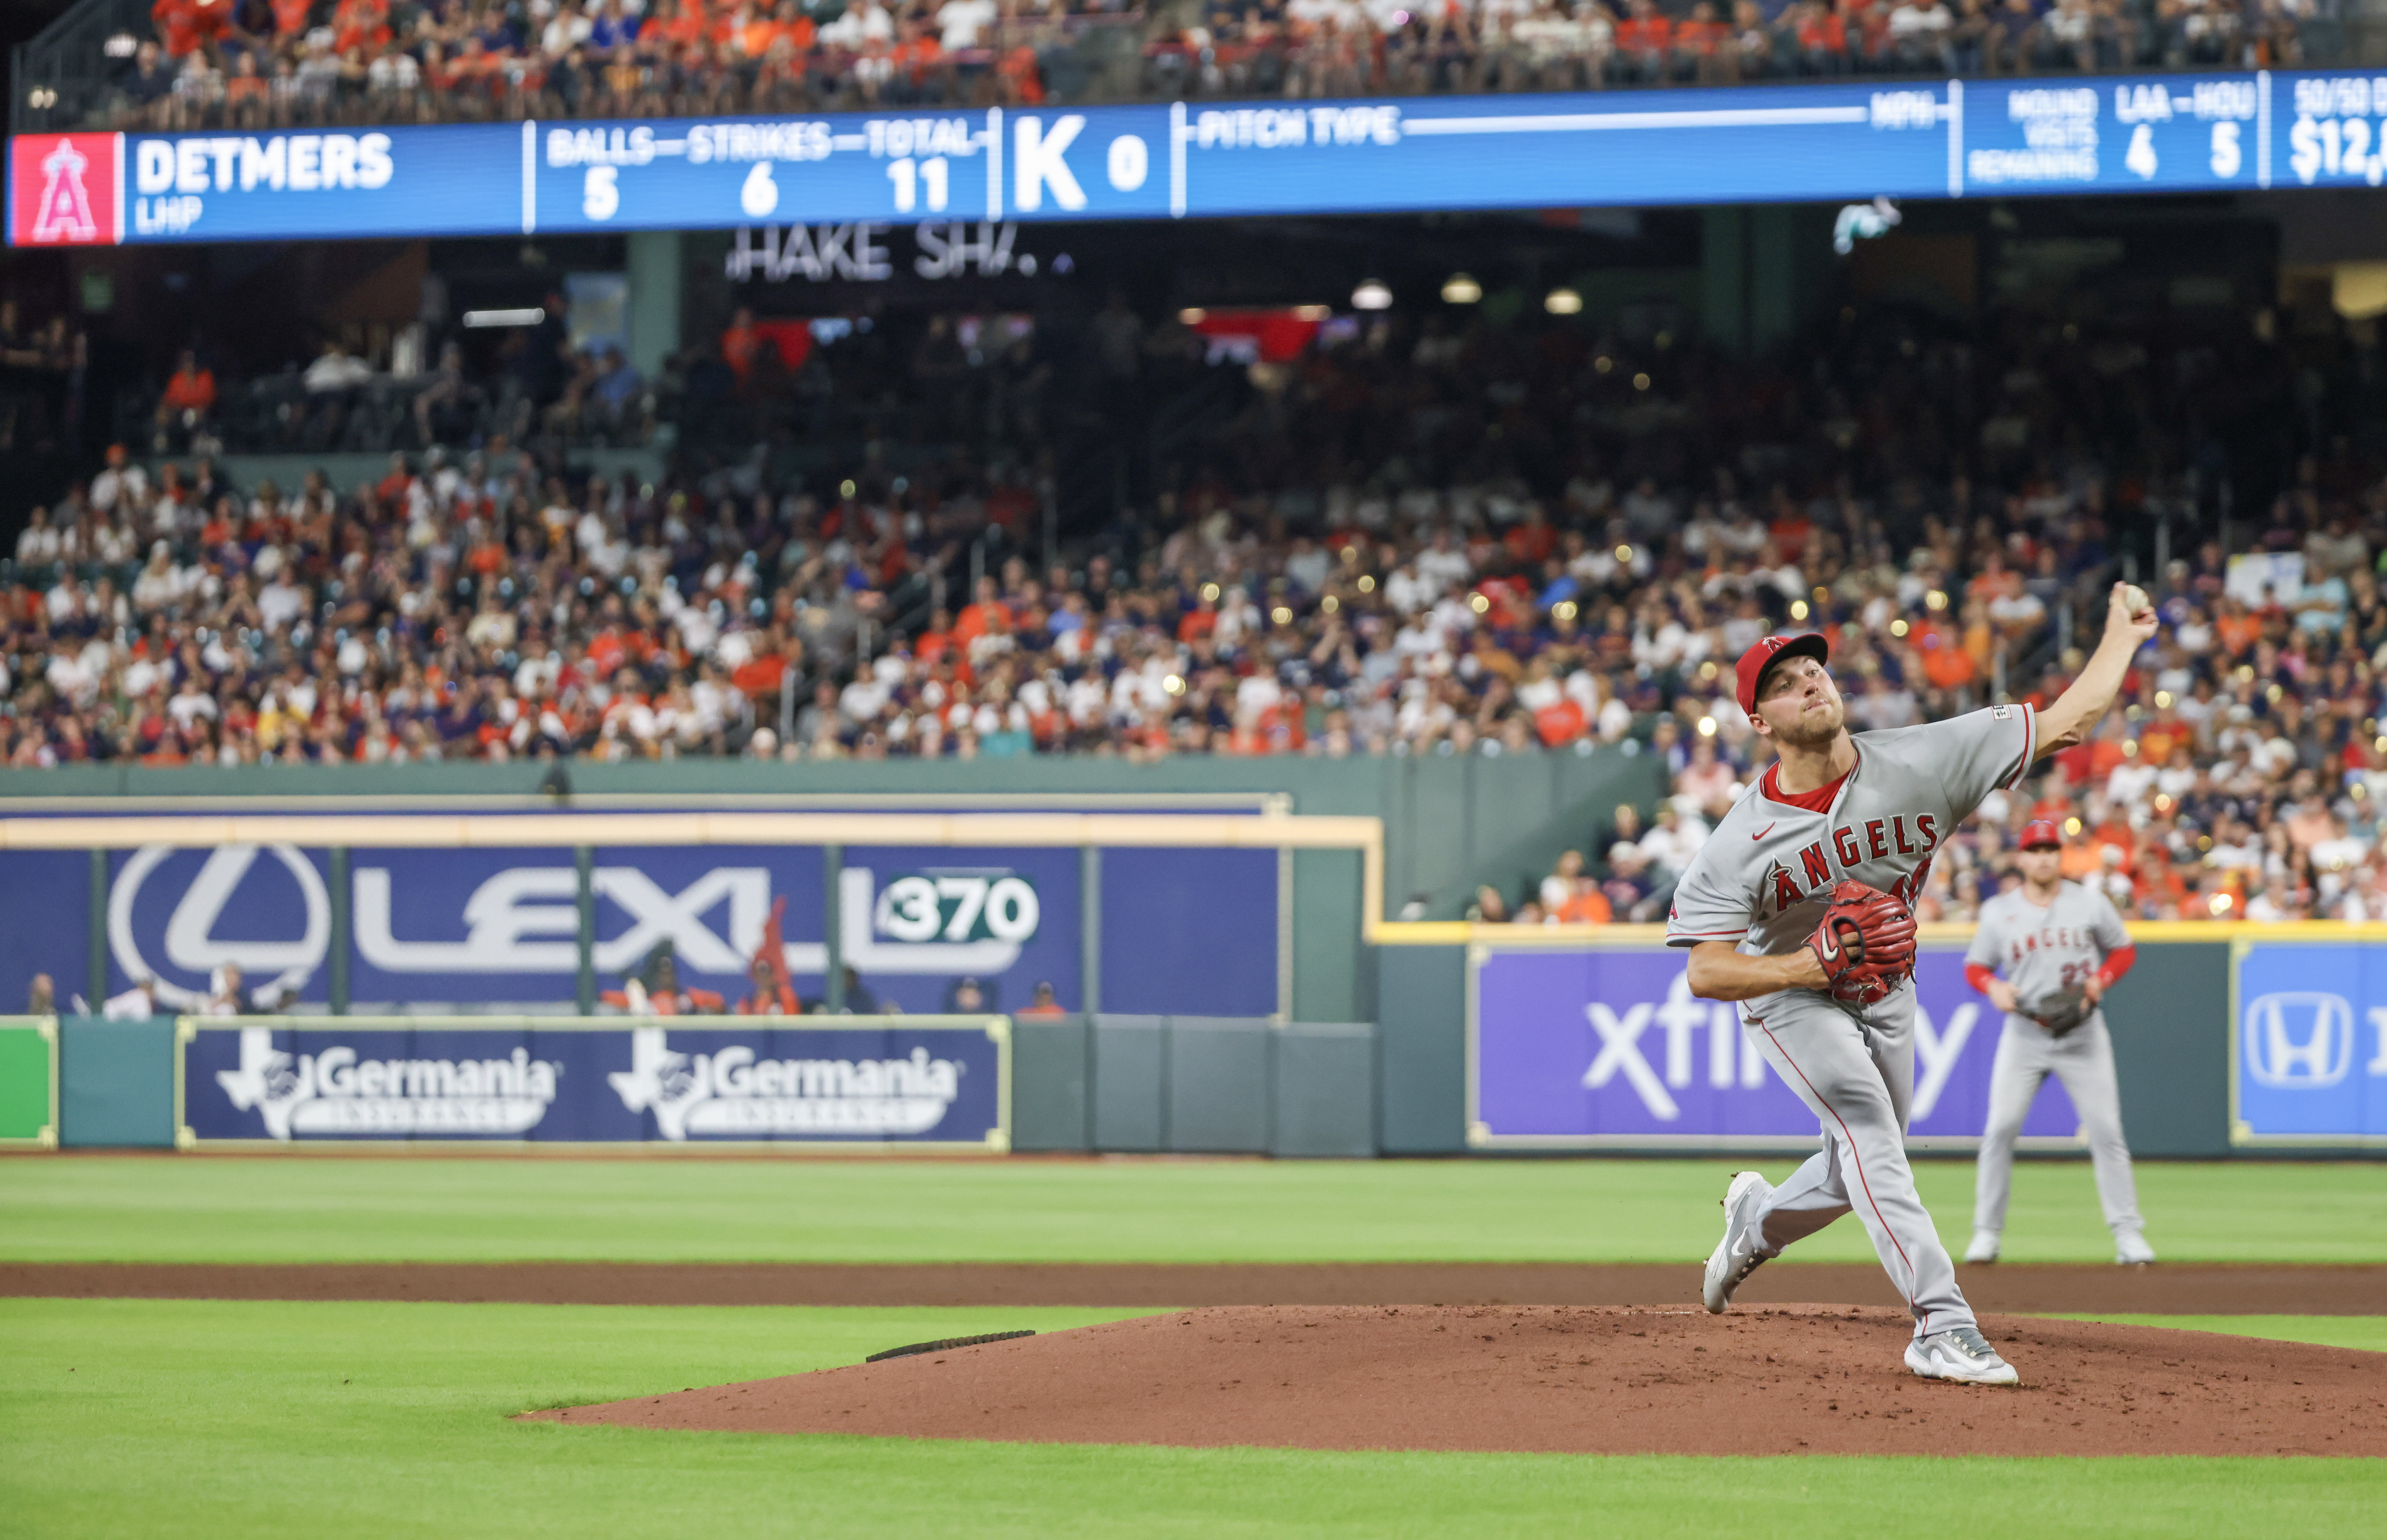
2131 1249
1960 1353
1984 1247
1740 1251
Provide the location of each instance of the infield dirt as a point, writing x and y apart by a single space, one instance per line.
1785 1379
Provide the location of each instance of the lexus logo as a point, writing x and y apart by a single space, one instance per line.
191 942
2299 1039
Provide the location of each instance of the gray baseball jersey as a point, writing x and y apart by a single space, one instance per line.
1761 882
1763 877
2040 951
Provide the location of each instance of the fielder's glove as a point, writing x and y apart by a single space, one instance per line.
1866 942
2059 1010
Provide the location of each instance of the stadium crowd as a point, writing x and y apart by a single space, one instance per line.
1409 539
269 63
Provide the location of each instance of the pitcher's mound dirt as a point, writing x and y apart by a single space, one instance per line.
1786 1380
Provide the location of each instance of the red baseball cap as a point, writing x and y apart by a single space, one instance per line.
1757 659
2041 834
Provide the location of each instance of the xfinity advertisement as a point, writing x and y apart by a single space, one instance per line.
1608 1046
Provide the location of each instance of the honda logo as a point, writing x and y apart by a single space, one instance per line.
2299 1039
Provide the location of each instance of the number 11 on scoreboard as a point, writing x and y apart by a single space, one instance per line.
913 178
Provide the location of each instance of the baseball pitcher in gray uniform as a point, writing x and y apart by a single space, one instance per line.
2060 947
1798 908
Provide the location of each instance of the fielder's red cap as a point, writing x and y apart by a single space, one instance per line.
2041 834
1757 659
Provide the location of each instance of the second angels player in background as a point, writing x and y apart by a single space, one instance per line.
2060 946
1847 823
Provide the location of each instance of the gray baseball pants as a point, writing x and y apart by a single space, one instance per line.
1854 1068
2083 1060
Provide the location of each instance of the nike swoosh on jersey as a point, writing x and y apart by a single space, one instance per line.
1763 832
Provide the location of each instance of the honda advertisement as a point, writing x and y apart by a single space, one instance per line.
1606 1046
933 1082
2310 1049
924 930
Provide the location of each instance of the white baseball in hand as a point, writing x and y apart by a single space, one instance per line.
2135 601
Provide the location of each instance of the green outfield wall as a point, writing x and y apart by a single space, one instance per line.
29 1082
1394 1085
1370 1051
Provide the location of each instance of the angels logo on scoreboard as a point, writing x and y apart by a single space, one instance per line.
63 190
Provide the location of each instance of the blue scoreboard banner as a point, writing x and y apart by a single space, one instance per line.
2160 134
890 1080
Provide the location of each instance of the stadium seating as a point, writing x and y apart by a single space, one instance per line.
1406 540
273 63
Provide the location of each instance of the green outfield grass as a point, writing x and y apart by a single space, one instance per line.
132 1208
194 1418
2367 1333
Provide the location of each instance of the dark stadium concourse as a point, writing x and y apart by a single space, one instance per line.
316 347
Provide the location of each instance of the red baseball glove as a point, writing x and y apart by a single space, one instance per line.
1866 942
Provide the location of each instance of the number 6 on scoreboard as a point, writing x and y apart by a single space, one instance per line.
2140 156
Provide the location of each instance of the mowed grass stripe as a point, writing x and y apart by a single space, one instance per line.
328 1209
202 1419
2366 1333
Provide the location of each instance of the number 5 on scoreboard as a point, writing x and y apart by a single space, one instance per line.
601 192
2228 157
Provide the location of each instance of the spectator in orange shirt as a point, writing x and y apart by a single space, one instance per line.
658 993
916 52
1531 540
1697 42
937 640
670 22
757 677
987 612
741 343
1823 42
1587 905
245 88
1945 662
186 26
2237 629
359 24
2159 886
2116 834
753 29
1022 82
1043 1004
2165 733
189 399
1560 721
1642 38
2082 859
1200 621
